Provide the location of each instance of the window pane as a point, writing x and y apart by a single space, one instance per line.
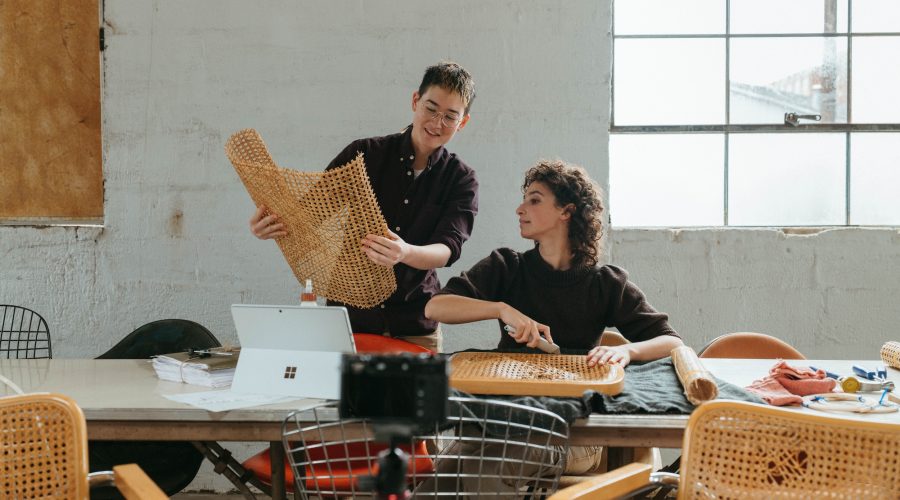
666 179
786 179
791 16
669 82
874 178
876 78
665 17
774 76
876 16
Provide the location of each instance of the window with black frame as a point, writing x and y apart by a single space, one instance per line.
755 113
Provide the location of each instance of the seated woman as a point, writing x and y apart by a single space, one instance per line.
557 289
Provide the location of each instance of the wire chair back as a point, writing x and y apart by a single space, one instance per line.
23 334
487 448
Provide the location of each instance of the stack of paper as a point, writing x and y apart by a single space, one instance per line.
214 370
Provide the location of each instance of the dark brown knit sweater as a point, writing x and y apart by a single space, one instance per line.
577 304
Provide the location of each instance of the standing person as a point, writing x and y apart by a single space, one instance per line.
557 289
429 198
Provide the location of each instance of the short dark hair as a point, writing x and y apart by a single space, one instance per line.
571 184
450 76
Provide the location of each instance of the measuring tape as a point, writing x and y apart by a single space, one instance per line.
843 402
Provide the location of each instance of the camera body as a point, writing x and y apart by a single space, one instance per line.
405 391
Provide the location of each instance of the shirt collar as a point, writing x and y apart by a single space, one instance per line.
408 154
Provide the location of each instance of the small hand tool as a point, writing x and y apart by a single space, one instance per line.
543 344
827 373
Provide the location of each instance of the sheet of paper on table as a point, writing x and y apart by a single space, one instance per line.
225 400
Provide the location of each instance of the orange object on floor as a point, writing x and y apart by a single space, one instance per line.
261 463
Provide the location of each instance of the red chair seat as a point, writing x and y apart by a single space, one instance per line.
339 476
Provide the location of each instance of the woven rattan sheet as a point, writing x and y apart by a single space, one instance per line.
326 214
532 374
890 354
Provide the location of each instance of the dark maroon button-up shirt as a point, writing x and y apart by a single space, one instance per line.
438 206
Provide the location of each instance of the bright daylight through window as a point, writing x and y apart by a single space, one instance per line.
755 113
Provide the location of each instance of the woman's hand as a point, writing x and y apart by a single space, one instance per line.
266 227
385 251
609 354
527 330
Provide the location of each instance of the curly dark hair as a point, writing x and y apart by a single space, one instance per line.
571 184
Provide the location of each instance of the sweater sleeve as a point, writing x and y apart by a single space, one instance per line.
488 279
629 311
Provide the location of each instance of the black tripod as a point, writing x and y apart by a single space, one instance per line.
390 483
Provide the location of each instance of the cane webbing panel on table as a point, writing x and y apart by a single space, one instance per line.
746 450
44 456
532 374
890 354
326 215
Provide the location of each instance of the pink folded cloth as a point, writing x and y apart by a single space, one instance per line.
785 384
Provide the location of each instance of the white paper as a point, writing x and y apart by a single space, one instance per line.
224 400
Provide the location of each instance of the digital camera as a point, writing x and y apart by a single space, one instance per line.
407 390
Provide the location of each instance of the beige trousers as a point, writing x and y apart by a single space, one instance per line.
433 341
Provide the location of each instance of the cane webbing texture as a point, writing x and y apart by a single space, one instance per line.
326 215
532 374
43 448
890 354
698 383
745 450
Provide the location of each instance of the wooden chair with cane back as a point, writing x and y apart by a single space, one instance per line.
735 449
749 345
44 442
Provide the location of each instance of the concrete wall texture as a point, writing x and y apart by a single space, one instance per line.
180 77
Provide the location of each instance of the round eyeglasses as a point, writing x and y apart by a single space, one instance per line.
447 121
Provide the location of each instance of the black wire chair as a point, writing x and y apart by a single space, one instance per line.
487 448
23 334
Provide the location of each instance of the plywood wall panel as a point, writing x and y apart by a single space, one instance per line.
50 142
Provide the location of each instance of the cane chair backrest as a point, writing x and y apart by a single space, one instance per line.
44 443
44 453
23 334
745 450
487 448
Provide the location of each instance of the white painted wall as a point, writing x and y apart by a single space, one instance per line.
180 77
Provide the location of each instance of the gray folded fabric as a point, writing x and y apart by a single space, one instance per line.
650 388
654 387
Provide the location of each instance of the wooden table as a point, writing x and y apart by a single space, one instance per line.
122 400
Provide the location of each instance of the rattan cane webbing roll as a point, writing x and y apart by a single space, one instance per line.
699 384
326 214
532 374
890 354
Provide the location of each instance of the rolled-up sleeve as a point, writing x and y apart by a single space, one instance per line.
457 215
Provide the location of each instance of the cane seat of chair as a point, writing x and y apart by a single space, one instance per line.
734 449
504 447
749 345
23 334
260 464
44 443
